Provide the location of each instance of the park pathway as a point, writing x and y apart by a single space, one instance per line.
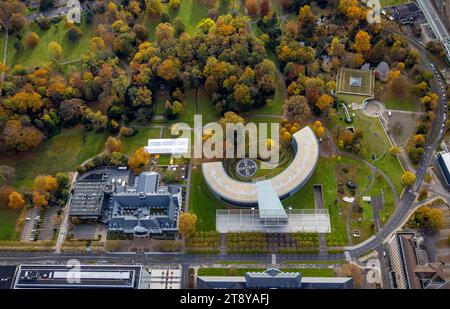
5 51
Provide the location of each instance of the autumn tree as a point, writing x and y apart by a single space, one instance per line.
154 7
231 117
168 69
39 199
353 271
324 102
394 150
252 7
428 219
174 4
362 41
408 178
164 33
17 21
55 50
139 160
16 200
32 39
45 183
206 24
8 9
113 144
16 136
264 7
297 107
187 224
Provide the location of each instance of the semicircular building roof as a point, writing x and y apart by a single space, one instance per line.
287 182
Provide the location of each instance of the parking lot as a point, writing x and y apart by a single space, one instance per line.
40 224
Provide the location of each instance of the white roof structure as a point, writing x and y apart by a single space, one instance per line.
298 220
356 81
285 184
168 146
269 205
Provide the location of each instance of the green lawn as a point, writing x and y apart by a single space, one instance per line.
351 98
130 144
40 55
191 12
324 175
202 202
62 153
237 272
304 198
410 103
381 188
94 142
385 3
160 101
205 107
8 219
373 133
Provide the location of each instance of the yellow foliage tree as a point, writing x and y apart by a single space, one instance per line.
408 178
45 183
187 224
324 101
16 200
362 41
39 200
140 159
113 144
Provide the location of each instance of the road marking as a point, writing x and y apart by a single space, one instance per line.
274 259
347 256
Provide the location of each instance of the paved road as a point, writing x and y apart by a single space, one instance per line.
436 23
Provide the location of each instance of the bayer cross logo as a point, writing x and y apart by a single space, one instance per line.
246 168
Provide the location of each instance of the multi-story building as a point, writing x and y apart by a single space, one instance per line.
410 266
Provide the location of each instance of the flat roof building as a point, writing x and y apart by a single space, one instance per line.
91 191
443 166
273 279
175 146
79 276
7 274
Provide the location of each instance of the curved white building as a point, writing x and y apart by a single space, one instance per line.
285 184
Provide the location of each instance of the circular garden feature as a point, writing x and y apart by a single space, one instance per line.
250 170
246 167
